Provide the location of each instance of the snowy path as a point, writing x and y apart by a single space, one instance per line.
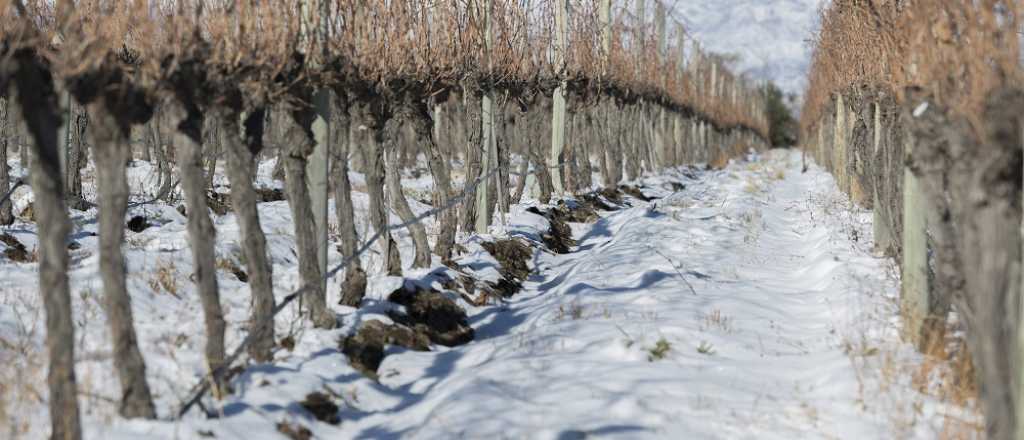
718 311
755 350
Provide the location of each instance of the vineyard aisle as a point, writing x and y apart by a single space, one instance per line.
740 303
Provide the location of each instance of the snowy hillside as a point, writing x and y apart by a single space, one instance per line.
770 36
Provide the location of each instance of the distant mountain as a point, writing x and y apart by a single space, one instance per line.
770 36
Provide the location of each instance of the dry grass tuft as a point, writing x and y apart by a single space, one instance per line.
165 278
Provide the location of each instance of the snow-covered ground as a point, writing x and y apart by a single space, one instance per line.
740 303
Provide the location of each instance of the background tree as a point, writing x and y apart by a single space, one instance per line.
782 127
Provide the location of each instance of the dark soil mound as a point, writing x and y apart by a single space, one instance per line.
365 349
612 194
269 194
430 312
294 431
577 211
558 238
219 203
322 407
634 192
514 256
674 186
138 224
594 201
15 251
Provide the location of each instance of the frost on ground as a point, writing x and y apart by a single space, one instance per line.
739 303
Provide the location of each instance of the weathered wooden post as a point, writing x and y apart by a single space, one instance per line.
65 136
558 99
490 148
1018 397
839 144
883 237
915 291
317 169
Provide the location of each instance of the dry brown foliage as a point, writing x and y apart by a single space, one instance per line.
956 50
263 48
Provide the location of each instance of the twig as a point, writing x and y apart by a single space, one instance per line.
673 264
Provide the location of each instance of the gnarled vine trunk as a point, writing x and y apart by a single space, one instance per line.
299 144
6 211
373 153
354 287
393 179
254 243
201 235
425 125
111 152
39 109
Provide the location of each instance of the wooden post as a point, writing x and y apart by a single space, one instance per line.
1018 392
914 297
883 238
65 136
558 110
490 148
317 169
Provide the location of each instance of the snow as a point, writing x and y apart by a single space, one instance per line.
770 36
747 305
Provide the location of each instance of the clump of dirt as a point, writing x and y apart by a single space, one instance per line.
365 349
595 202
230 266
29 213
138 224
577 211
294 431
612 194
322 407
558 238
15 251
219 203
269 194
287 343
634 192
513 255
674 186
489 292
430 312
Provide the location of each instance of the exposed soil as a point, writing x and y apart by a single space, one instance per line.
219 203
430 312
294 431
265 195
138 224
15 251
322 407
558 238
514 257
365 349
634 192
